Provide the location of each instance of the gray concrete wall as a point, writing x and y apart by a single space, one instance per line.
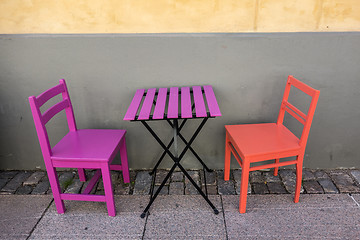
248 73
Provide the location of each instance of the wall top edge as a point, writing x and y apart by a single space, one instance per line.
249 34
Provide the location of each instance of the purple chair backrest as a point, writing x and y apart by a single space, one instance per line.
40 119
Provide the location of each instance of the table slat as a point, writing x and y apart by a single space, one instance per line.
186 111
199 102
134 105
173 109
211 101
148 102
160 104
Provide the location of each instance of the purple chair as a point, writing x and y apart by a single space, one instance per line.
81 149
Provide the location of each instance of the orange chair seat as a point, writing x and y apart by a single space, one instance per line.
258 140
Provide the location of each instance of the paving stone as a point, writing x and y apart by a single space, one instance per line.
163 191
42 187
115 175
176 188
194 175
308 175
8 174
132 181
287 174
344 182
276 188
132 175
24 190
237 178
237 188
90 220
75 187
260 188
20 214
256 177
236 174
269 177
160 176
142 183
356 175
185 225
210 177
114 180
15 183
225 187
177 177
190 189
89 175
220 175
34 178
312 187
3 183
211 189
119 187
100 186
100 192
328 186
290 185
320 174
65 179
122 189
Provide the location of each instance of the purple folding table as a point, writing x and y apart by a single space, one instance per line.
172 105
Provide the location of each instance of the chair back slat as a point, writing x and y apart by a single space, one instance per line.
52 111
305 119
295 109
292 113
302 86
50 93
295 112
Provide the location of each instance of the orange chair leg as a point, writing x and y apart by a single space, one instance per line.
244 186
227 159
298 177
276 169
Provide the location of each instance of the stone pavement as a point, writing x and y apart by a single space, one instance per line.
329 207
261 182
271 216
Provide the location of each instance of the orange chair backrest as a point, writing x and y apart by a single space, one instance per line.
305 119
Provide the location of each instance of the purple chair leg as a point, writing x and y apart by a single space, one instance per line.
82 175
56 190
109 196
124 161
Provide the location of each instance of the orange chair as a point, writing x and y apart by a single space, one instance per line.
250 143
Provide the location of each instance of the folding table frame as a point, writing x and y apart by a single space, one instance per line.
190 99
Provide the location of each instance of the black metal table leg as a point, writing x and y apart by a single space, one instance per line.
176 160
168 146
191 149
158 191
199 189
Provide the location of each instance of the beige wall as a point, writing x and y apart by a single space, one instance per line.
166 16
